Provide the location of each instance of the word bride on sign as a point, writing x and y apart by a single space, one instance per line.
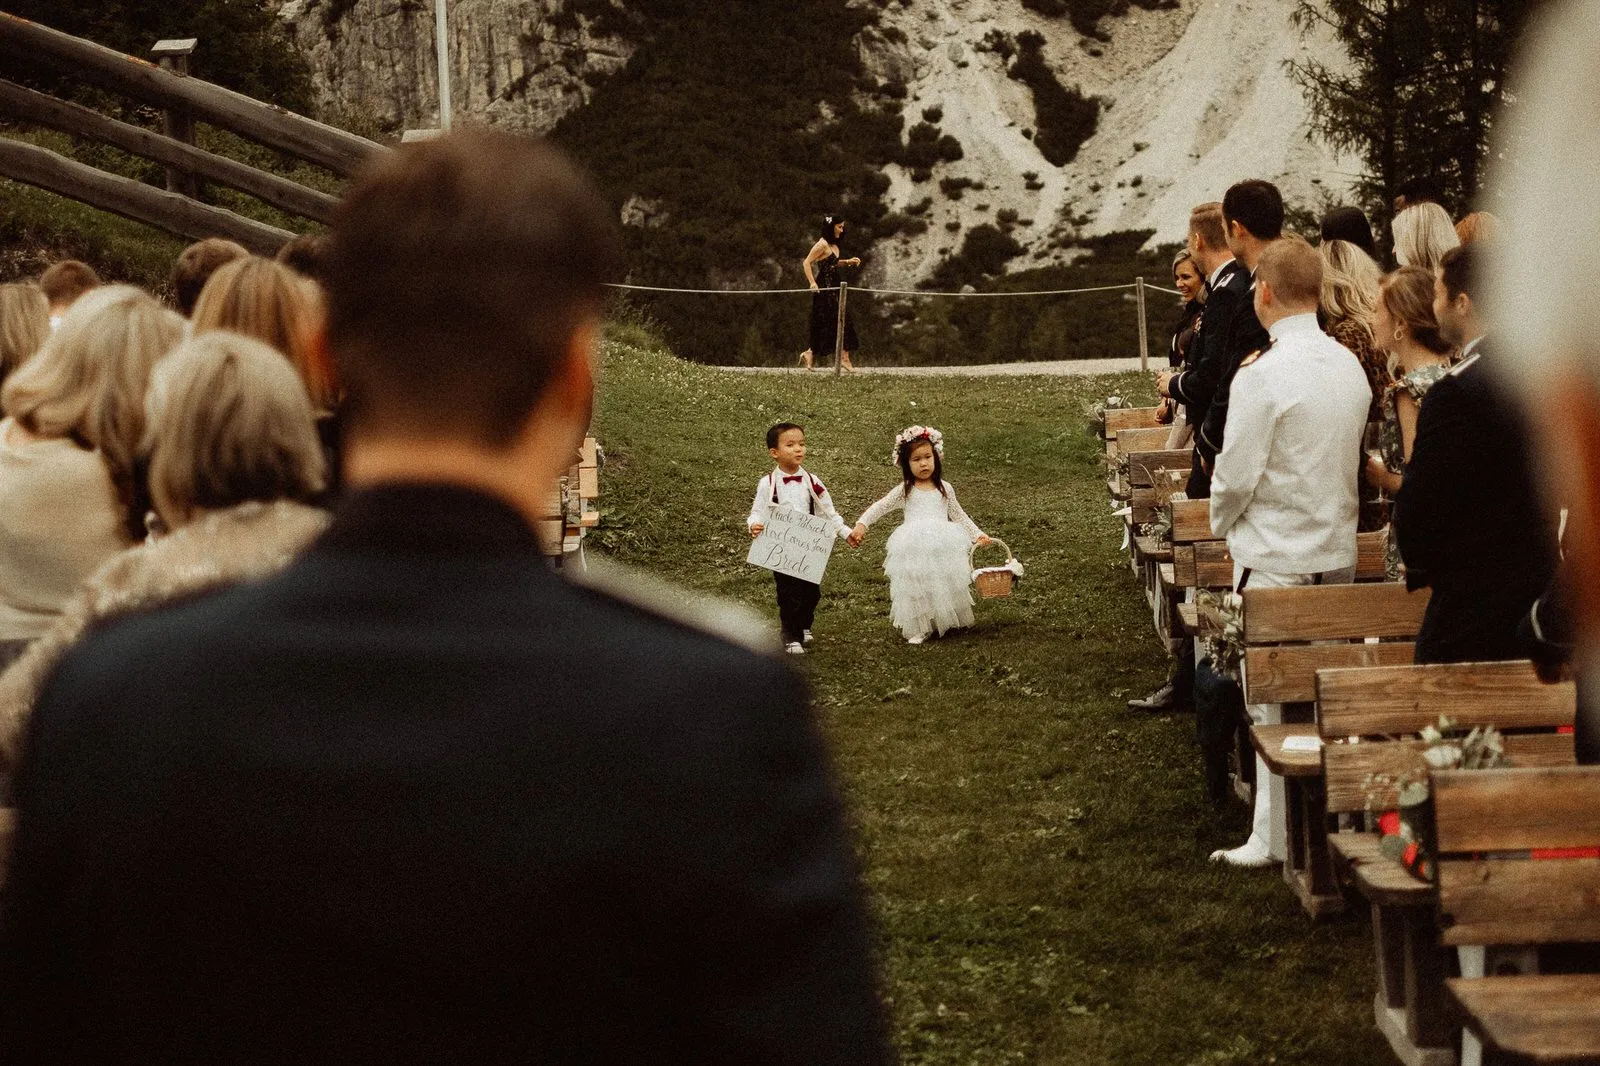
794 543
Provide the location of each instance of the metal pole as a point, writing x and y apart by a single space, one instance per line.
838 333
441 31
1144 329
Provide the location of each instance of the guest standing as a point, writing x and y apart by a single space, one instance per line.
1468 518
196 264
1190 282
1349 224
1422 234
24 324
821 266
1284 493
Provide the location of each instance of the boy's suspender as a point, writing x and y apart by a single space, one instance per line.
811 496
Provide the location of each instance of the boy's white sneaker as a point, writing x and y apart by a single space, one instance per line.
805 638
794 647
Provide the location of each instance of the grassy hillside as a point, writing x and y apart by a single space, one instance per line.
1035 852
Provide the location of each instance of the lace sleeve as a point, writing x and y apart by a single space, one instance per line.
958 514
893 500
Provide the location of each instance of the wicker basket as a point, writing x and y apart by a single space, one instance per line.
993 581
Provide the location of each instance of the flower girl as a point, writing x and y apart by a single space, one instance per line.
927 556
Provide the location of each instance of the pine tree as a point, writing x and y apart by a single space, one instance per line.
1419 92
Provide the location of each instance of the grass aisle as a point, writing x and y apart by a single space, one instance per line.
1035 852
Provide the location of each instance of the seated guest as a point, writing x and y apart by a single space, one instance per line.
1468 519
266 300
1284 490
24 324
233 450
1422 234
1349 224
1406 330
74 416
63 283
374 806
195 266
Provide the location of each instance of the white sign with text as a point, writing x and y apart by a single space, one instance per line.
794 543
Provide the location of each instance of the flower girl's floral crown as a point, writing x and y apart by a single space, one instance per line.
916 433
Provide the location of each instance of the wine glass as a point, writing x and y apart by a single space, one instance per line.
1373 444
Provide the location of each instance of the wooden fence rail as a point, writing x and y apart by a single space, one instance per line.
170 211
341 152
29 106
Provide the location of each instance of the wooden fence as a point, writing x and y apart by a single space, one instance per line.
185 100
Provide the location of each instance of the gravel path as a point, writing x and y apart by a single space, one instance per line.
1057 368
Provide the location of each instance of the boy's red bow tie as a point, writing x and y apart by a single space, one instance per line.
787 478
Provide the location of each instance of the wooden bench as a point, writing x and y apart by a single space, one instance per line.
1280 666
1377 705
572 511
1117 419
1492 891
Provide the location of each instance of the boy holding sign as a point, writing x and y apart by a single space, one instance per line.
797 554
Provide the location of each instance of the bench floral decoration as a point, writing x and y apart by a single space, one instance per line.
1097 413
1407 831
1222 630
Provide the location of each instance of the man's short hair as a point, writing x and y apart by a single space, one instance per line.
196 264
775 434
1461 268
1205 222
67 280
458 270
1257 206
1293 269
1419 191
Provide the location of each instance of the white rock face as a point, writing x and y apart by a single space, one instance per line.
1194 98
517 63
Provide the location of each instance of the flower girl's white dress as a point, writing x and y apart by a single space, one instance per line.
927 560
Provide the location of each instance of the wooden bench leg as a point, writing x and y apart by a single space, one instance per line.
1308 865
1410 1006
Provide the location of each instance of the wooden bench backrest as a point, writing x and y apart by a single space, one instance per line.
1120 418
1209 564
1287 673
1146 439
1385 702
1331 612
1490 890
1191 521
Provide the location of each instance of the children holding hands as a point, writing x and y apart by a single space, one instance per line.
790 484
927 557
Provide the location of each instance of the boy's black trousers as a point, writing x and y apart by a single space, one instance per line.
797 605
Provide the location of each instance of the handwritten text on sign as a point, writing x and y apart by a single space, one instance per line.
794 543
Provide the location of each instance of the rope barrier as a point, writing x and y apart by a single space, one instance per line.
881 292
1162 288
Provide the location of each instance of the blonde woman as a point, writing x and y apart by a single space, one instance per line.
270 302
69 494
24 324
233 452
1422 234
1350 282
1190 282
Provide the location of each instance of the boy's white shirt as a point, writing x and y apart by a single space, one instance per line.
796 494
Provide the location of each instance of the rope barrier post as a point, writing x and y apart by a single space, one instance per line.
1144 329
838 333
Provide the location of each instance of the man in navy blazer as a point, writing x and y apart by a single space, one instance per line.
419 798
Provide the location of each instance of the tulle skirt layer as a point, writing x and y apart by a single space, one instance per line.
928 578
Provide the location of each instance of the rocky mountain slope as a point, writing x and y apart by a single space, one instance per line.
1191 97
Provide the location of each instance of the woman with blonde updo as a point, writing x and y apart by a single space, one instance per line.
233 456
24 324
70 497
1422 234
1349 293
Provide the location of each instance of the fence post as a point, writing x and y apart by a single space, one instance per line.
838 333
441 44
1144 329
177 123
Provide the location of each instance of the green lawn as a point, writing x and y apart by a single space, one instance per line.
1036 854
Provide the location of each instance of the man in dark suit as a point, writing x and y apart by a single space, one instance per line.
419 798
1468 518
1227 284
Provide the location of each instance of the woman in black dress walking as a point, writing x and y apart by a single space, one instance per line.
821 266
